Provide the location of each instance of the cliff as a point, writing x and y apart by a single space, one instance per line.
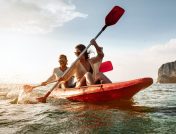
167 73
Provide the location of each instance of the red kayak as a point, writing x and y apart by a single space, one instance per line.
104 92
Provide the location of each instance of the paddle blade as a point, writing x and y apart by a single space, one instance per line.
106 66
114 15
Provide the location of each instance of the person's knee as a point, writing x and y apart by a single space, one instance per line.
101 78
89 78
87 75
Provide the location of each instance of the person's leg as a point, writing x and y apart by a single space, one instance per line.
71 82
82 82
62 85
101 77
89 78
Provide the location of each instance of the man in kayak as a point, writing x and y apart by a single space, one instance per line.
58 72
26 96
86 70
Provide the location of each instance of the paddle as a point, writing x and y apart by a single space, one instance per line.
113 16
104 67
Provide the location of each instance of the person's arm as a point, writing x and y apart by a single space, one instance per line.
99 50
71 71
51 79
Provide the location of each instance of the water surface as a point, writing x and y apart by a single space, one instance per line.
152 111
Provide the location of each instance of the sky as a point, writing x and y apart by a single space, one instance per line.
33 33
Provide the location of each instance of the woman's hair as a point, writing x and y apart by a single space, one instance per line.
81 47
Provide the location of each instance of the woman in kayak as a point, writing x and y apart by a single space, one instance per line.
86 69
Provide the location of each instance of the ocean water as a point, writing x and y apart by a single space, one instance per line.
151 111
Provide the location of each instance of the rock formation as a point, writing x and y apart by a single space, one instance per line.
167 73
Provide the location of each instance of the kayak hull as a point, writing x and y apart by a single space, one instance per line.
104 92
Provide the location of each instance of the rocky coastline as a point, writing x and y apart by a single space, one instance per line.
167 73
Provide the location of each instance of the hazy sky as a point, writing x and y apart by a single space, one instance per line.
34 32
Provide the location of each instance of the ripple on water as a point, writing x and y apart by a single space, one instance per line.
151 111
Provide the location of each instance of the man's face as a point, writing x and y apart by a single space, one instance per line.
62 61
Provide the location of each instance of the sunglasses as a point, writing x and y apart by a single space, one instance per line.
77 53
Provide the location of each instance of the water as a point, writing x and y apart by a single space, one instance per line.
152 111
